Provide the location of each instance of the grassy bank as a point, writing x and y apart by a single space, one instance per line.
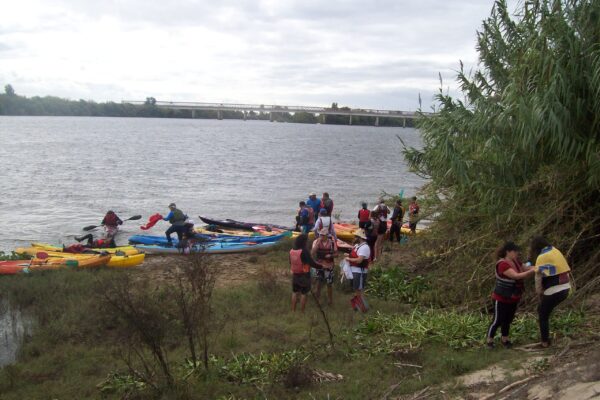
257 347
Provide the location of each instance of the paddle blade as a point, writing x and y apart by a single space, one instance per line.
134 218
90 227
42 255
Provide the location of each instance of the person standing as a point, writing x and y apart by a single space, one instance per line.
413 214
324 251
508 291
176 218
327 204
324 222
314 203
363 216
383 211
553 283
397 218
372 232
359 265
305 218
300 264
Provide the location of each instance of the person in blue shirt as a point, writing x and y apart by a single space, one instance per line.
305 218
177 219
314 203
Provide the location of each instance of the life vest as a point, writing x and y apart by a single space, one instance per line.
111 219
506 287
296 264
311 215
328 205
99 243
178 217
399 214
364 215
325 249
383 212
354 254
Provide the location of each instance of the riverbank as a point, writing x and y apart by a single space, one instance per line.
257 347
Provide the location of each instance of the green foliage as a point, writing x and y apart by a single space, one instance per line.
120 383
395 284
519 155
9 257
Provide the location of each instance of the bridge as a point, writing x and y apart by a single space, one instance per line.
271 109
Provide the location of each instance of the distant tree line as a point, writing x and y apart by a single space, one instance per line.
14 104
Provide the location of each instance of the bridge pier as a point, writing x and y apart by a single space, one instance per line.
271 116
219 115
350 120
324 118
376 121
245 115
193 114
404 122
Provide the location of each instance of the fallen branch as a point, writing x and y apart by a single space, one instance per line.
509 387
407 365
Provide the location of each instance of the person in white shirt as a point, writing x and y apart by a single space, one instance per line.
359 265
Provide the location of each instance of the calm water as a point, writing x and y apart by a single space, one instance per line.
62 173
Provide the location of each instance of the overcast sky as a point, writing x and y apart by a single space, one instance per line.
370 54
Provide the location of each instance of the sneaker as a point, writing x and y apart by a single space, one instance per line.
490 345
507 344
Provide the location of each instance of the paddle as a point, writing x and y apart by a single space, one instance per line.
134 218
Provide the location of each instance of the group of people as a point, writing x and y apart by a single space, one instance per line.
317 264
552 283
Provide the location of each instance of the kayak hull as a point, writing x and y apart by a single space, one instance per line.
218 248
14 267
230 223
162 241
129 250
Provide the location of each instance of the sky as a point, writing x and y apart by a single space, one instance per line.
371 54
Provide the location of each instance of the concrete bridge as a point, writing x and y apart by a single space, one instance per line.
322 112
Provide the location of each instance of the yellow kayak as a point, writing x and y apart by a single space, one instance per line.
52 263
129 250
115 261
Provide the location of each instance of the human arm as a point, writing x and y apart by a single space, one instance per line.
169 216
307 259
512 274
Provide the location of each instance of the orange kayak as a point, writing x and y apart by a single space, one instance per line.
13 267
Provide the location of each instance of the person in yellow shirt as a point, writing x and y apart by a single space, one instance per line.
552 281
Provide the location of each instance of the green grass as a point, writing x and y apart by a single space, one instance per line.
257 342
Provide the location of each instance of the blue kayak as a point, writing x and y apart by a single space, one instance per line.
162 240
208 248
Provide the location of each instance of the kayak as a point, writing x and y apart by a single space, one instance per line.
14 267
162 240
249 226
220 231
126 261
115 260
209 248
52 263
129 250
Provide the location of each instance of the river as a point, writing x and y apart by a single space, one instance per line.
63 173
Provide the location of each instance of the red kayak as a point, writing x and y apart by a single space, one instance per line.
13 267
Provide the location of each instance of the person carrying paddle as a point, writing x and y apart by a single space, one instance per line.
177 219
111 222
324 250
397 217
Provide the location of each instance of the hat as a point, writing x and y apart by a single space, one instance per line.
312 194
172 205
323 231
323 211
360 233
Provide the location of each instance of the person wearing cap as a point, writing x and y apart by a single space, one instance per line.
176 218
324 222
359 265
314 203
324 250
327 204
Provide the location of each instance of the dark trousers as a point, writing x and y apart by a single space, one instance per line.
395 229
504 313
545 308
178 229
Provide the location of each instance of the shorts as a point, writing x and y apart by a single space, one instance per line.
325 276
301 283
359 281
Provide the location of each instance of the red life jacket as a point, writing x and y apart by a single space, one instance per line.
101 243
297 266
354 254
364 215
111 219
324 249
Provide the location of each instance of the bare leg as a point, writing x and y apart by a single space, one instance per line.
318 292
294 301
302 302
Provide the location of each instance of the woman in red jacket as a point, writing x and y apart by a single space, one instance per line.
510 273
